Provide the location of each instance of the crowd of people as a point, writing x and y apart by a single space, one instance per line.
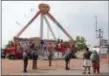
89 58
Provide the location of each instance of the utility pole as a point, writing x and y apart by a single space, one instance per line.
99 34
96 28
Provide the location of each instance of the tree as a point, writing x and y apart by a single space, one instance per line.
67 43
8 46
80 43
77 38
58 40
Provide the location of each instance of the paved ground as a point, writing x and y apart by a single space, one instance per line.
15 67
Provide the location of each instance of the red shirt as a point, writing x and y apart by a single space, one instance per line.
63 48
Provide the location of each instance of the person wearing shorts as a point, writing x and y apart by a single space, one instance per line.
87 61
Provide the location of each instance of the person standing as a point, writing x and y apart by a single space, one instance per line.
25 59
34 57
50 56
67 58
73 51
95 62
34 51
87 61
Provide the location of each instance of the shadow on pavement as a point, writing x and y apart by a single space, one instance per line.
37 71
78 69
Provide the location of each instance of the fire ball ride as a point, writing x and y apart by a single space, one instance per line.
44 13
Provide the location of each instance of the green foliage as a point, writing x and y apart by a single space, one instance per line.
8 46
58 40
80 43
67 44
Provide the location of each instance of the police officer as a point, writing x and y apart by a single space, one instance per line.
25 59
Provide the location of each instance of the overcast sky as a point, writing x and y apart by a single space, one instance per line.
77 17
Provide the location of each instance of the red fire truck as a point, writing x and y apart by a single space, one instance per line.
15 50
12 52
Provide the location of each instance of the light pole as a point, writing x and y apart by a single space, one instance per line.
99 34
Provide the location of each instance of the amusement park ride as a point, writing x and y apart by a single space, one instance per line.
43 12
